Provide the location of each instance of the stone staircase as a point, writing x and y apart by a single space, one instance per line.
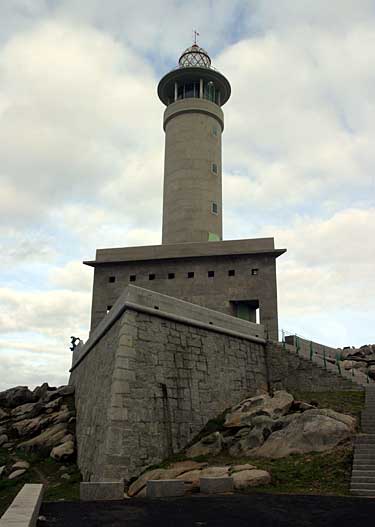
363 474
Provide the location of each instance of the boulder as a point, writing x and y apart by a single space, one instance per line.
25 411
371 372
311 431
47 439
3 414
61 391
21 464
2 470
169 473
16 396
16 474
250 478
239 468
40 391
243 413
54 404
63 452
249 438
28 427
3 439
209 445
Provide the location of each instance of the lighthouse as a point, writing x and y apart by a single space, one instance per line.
194 94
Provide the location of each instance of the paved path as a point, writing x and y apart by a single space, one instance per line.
363 474
256 510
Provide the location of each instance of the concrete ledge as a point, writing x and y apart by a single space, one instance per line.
216 485
24 510
101 491
165 488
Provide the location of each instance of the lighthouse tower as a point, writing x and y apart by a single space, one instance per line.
194 263
193 123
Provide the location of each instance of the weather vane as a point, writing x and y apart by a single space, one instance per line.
196 34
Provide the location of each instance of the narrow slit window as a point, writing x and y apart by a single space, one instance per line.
231 272
151 276
214 168
190 274
112 279
211 274
214 208
171 276
109 308
132 278
254 271
214 131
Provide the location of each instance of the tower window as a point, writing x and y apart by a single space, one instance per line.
231 272
109 308
214 208
254 271
211 274
190 274
151 276
112 279
132 278
214 131
171 276
214 168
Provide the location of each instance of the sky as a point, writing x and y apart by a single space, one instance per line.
82 146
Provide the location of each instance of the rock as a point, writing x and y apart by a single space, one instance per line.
21 464
28 426
61 417
245 441
2 470
239 468
3 439
371 372
250 478
47 439
16 396
300 406
192 478
215 472
54 404
65 476
62 391
311 431
3 414
63 452
170 473
348 420
26 411
40 391
16 474
209 445
276 406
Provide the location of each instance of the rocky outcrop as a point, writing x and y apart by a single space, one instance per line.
244 476
40 421
276 426
362 359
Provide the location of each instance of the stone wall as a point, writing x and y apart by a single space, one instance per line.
167 380
290 371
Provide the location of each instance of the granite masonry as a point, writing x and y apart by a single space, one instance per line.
156 369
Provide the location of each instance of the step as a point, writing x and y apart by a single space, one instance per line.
363 479
363 472
364 493
363 485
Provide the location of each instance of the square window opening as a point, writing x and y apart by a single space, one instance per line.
214 169
132 278
231 272
112 279
109 308
151 276
214 208
171 276
190 274
254 271
211 274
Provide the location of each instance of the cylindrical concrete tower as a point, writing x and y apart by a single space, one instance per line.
193 124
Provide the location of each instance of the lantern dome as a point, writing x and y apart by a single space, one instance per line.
194 57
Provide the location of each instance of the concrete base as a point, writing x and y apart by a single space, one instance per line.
165 488
24 510
101 491
216 485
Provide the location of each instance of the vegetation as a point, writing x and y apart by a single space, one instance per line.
42 470
344 402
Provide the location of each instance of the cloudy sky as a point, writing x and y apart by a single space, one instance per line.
81 156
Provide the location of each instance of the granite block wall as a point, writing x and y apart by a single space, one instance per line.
289 371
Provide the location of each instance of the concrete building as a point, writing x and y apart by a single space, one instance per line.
193 263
